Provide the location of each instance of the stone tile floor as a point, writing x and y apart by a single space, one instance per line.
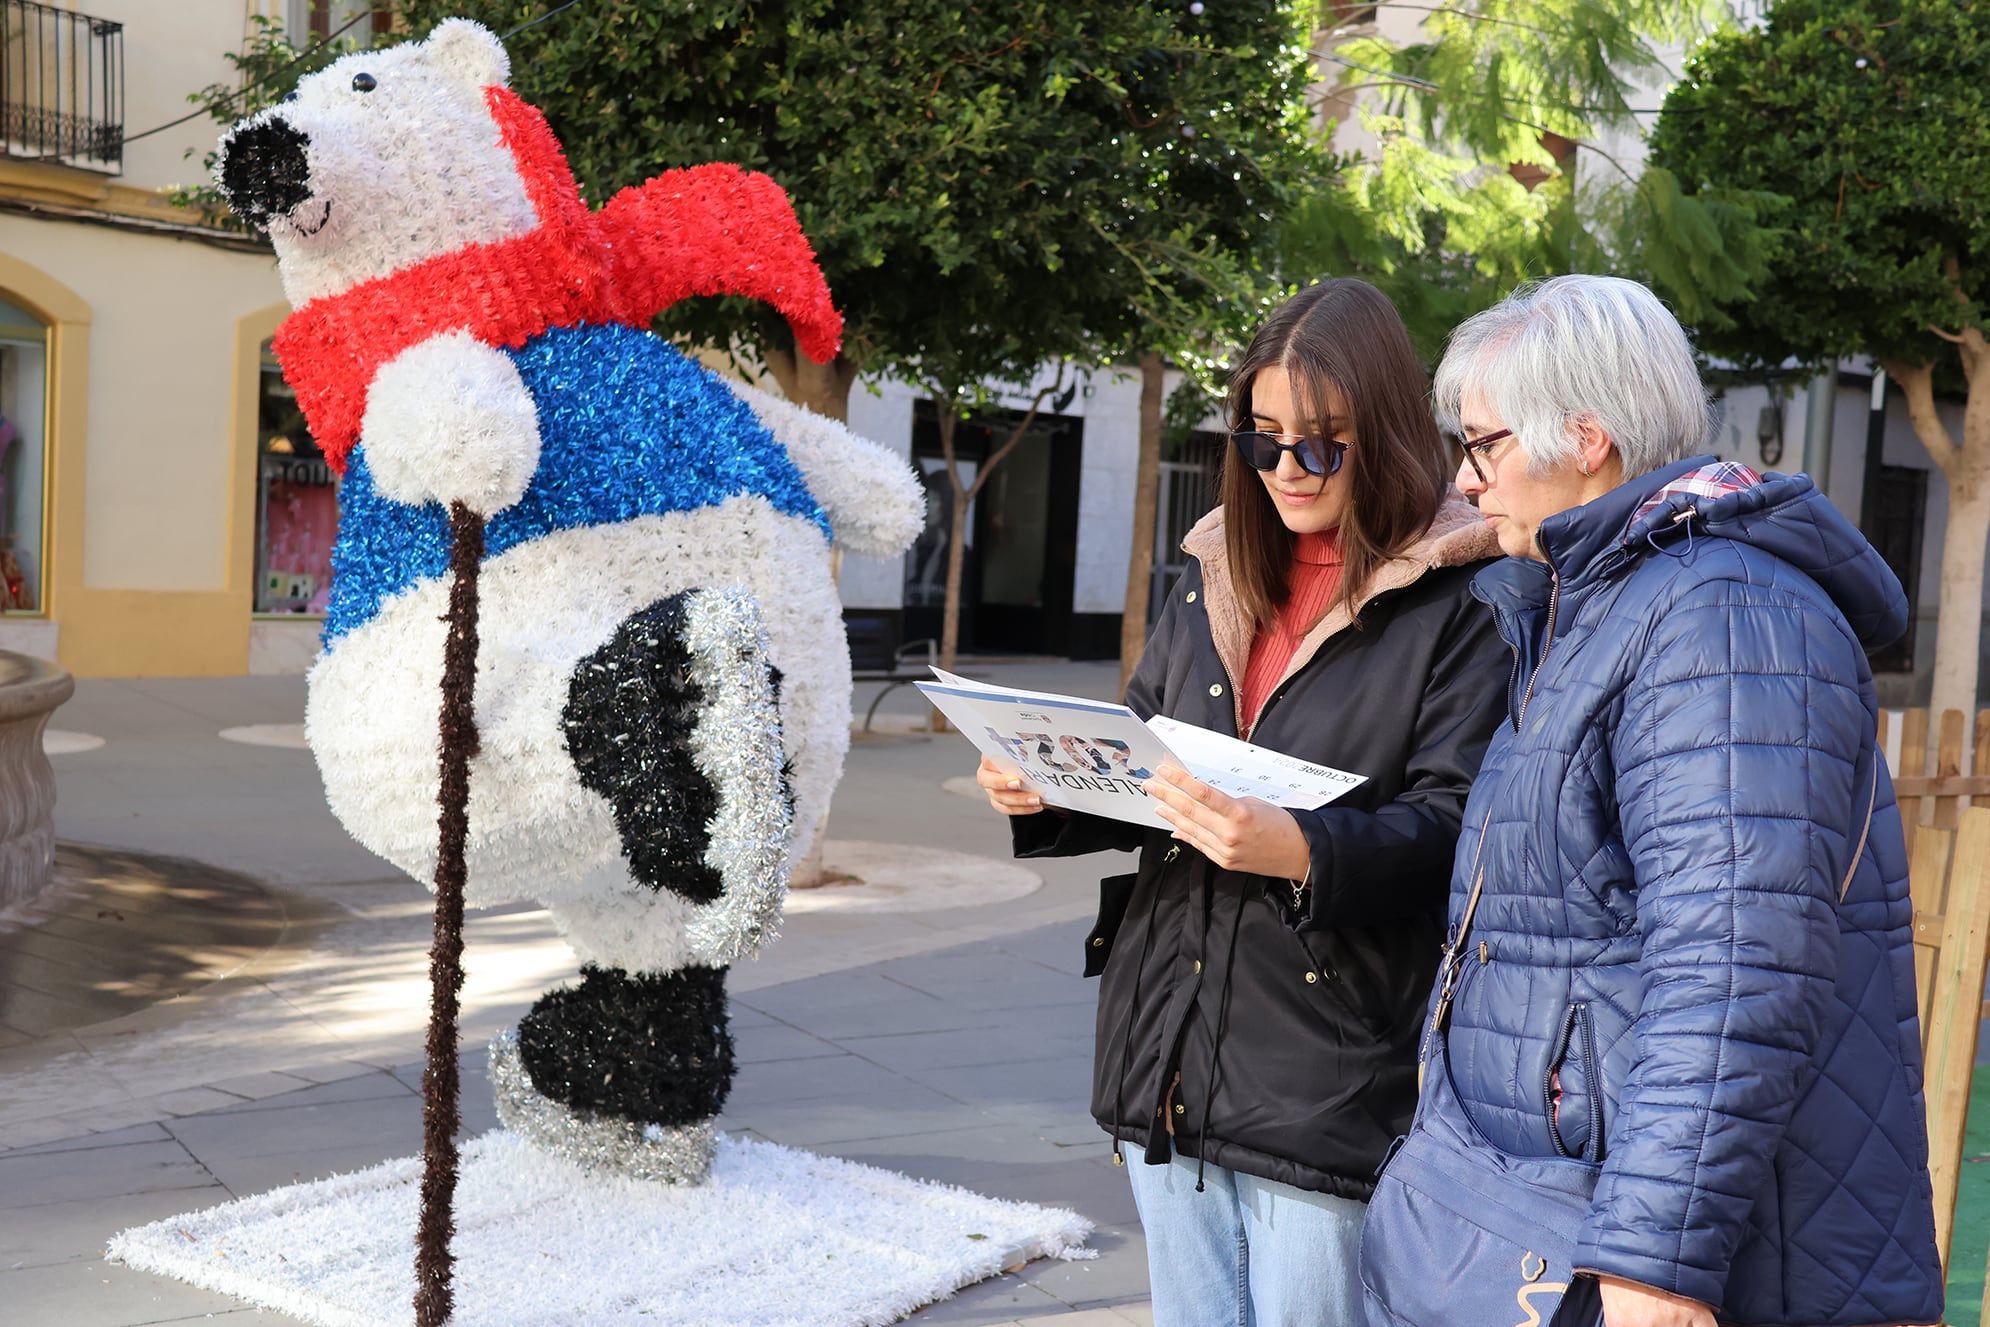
951 1044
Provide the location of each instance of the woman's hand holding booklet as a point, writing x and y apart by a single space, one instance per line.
1094 756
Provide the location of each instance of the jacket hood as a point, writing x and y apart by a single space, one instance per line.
1783 515
1457 535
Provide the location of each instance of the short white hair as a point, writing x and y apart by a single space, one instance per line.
1575 348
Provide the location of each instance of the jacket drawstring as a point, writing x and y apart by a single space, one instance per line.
1216 1041
1132 1009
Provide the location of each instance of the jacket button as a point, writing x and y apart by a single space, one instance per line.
1312 977
1190 598
1180 1109
1215 688
1198 965
1098 942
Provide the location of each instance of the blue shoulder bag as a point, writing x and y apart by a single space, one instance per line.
1461 1234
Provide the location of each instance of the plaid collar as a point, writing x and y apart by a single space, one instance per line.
1709 481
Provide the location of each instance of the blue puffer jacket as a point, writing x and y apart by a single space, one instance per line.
1669 822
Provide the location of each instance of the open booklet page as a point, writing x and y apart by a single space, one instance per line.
1093 756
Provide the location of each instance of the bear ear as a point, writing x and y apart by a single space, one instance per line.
467 52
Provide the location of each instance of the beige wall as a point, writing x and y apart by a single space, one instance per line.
171 48
153 372
161 394
149 547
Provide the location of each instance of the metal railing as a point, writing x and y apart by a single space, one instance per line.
61 86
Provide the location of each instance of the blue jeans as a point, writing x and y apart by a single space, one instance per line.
1245 1251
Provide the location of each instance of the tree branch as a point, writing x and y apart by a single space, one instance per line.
1917 382
1015 437
1431 90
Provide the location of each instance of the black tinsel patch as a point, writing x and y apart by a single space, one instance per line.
654 1049
787 762
265 170
630 710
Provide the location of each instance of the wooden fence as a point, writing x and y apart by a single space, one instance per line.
1945 814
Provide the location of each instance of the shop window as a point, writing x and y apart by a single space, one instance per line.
23 457
297 503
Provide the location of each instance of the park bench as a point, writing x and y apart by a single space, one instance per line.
876 655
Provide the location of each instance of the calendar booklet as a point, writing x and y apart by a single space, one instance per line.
1093 756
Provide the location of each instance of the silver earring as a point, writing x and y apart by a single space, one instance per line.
1585 469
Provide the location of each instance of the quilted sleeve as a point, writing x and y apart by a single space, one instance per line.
1737 756
1375 867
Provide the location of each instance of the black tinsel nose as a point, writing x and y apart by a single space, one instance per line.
265 170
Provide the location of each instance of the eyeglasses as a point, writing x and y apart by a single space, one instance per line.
1479 450
1264 451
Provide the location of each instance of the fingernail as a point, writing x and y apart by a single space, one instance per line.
1015 783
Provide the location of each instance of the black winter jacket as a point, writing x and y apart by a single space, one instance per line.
1294 1030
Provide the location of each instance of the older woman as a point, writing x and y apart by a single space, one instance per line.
1681 888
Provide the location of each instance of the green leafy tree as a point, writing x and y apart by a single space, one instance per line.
990 188
1861 128
1478 127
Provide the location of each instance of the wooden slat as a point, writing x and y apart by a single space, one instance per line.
1959 976
1979 764
1948 765
1960 785
1913 765
1927 881
1928 929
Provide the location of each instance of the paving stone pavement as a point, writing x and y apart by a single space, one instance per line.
951 1044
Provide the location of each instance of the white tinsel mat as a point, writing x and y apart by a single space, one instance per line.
777 1238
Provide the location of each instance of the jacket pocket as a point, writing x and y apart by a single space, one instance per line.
1570 1091
1115 892
1341 981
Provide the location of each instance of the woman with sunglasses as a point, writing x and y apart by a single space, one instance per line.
1265 970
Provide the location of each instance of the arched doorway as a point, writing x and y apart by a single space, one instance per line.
24 414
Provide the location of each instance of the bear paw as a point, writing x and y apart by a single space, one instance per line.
450 420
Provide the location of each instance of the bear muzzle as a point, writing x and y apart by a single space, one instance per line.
265 170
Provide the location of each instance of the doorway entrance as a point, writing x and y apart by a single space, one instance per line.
1021 557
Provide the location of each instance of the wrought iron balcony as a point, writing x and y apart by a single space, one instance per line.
61 86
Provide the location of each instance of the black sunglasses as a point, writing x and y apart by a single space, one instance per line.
1263 451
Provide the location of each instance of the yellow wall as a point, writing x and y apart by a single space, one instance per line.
152 416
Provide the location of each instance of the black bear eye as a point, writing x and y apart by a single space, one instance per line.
364 82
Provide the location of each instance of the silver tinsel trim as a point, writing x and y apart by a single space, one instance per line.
737 745
619 1147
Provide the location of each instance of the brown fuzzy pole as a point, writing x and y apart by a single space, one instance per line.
441 1112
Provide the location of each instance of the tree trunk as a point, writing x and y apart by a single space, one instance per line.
1146 492
823 388
1959 632
956 546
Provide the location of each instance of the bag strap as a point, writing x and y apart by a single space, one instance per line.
1442 1010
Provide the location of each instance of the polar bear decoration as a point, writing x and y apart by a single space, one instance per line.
662 690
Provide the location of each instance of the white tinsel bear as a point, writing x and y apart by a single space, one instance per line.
662 691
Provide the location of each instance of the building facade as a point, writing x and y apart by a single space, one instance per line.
138 514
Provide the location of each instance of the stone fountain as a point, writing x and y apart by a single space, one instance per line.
30 691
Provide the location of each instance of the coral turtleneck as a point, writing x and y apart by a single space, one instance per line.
1314 577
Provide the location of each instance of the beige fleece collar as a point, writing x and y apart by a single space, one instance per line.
1456 536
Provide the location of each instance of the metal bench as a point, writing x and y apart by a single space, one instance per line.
909 663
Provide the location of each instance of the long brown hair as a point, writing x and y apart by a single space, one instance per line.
1342 337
